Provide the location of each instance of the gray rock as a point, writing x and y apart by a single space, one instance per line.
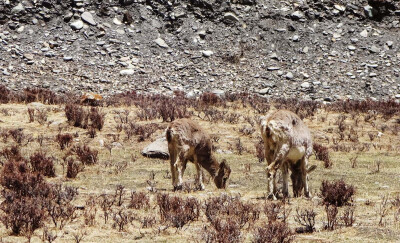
160 42
117 21
157 149
374 49
264 91
305 85
397 96
88 18
389 44
77 25
127 72
219 92
364 33
18 8
297 15
207 53
272 68
351 47
231 17
369 11
372 75
296 38
67 58
289 75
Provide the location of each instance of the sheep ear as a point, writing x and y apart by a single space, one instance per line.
311 169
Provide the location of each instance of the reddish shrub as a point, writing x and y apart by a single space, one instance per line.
139 200
86 155
178 211
273 232
64 140
337 193
322 153
42 164
4 94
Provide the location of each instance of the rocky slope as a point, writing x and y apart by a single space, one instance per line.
307 49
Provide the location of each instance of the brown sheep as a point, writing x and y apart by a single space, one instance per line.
187 141
288 145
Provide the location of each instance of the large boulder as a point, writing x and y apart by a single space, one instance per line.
157 149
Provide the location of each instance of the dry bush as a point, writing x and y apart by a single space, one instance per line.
177 211
4 94
25 194
18 135
86 155
41 116
233 208
348 216
223 231
331 216
59 207
44 96
260 150
337 193
148 221
322 153
273 232
42 164
97 118
31 114
139 200
305 217
142 131
209 99
73 168
90 211
302 108
64 140
239 146
383 209
119 195
76 115
273 211
247 130
12 153
49 236
121 218
106 201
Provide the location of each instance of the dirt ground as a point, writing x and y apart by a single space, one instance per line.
368 162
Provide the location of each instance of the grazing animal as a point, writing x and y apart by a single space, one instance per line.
91 99
187 141
288 145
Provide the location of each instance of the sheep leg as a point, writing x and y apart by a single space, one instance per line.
304 177
285 177
280 154
174 172
199 179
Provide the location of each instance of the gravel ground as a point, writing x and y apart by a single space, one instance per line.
323 50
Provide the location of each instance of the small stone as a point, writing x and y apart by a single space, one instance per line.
274 56
117 21
389 44
305 85
17 9
88 18
372 75
231 17
289 75
126 72
397 96
161 43
351 47
67 59
28 56
264 91
374 49
364 33
207 53
272 68
369 11
296 38
305 49
21 29
77 25
340 7
297 15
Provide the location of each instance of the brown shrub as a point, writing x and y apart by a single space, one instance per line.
177 211
322 153
86 155
73 168
42 164
305 217
64 140
273 232
97 118
4 94
337 193
139 200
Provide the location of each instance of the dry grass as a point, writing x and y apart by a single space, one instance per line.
141 173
